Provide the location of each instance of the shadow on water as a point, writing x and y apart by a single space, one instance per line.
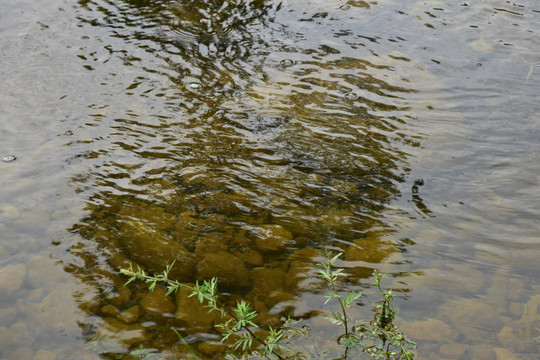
271 149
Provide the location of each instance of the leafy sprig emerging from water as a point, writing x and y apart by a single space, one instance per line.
381 339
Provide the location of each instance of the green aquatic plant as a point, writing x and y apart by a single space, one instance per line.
380 338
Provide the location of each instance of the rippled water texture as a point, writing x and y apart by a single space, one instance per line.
240 139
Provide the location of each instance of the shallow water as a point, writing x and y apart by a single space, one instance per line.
241 139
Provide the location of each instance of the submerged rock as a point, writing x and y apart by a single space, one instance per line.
12 277
193 314
230 271
130 315
157 303
265 280
117 331
273 237
428 330
249 256
154 250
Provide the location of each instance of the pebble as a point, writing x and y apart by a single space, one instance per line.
11 212
9 158
12 276
429 330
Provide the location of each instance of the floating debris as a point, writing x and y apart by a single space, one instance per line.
287 62
351 96
9 158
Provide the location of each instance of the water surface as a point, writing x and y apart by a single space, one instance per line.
241 139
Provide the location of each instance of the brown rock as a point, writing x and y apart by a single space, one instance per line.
306 254
484 354
273 238
428 330
153 216
7 316
115 330
130 316
453 350
12 277
193 314
44 355
210 243
507 336
370 250
212 349
278 297
24 353
154 250
474 319
505 354
302 276
227 268
265 280
249 256
157 303
109 310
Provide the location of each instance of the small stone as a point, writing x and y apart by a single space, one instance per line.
9 158
10 212
211 243
277 297
531 310
429 330
526 347
273 238
265 280
484 354
453 350
109 310
227 268
249 256
370 250
154 249
506 336
24 353
57 312
157 303
212 349
505 354
7 316
43 273
42 354
4 254
301 276
16 335
117 331
12 276
193 314
130 316
474 319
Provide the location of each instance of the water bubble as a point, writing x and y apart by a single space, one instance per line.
351 96
194 85
9 158
68 132
344 7
287 62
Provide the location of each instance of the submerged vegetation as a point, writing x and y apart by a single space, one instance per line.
380 338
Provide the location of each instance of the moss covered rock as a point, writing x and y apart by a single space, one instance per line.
230 271
271 237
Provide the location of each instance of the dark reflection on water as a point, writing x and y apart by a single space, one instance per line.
258 165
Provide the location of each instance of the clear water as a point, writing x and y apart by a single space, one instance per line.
405 134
